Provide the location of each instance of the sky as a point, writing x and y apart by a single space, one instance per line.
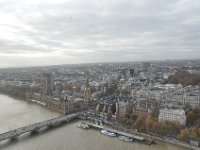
51 32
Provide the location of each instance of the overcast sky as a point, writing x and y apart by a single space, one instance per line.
47 32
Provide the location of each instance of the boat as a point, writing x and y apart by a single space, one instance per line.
83 125
105 132
125 138
38 102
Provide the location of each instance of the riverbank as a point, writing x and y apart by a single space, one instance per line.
118 133
23 93
167 140
147 136
16 92
43 104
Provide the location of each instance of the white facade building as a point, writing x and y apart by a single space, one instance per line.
192 100
172 115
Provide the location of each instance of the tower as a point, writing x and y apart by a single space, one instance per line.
87 92
48 84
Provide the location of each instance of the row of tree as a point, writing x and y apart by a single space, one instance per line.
185 78
164 128
22 92
189 134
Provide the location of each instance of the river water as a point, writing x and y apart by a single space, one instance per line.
16 113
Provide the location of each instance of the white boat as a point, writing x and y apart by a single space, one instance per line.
41 103
105 132
125 138
83 125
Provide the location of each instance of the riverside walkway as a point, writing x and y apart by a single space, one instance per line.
139 138
34 128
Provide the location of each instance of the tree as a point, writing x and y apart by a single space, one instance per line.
184 135
150 124
120 119
184 78
140 124
171 127
131 116
196 110
134 117
109 115
111 89
159 128
155 112
195 133
191 117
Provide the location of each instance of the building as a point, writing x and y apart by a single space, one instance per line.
146 66
145 107
188 95
177 115
105 107
75 105
103 86
87 92
122 107
192 100
117 106
48 84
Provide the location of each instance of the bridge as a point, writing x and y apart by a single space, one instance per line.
34 128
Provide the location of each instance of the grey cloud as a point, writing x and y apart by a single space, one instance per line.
102 30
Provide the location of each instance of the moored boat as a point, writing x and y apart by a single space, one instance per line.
105 132
83 125
125 138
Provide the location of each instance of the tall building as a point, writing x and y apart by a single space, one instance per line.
132 72
146 66
103 88
48 84
87 92
177 115
122 107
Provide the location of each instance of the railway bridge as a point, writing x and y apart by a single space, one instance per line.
34 128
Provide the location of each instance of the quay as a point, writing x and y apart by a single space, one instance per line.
34 128
134 137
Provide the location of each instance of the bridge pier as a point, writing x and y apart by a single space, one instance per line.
14 138
50 126
67 120
35 131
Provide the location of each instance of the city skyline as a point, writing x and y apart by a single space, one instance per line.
40 33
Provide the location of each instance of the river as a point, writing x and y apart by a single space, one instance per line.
16 113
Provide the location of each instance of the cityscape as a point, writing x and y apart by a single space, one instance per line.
99 75
159 99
